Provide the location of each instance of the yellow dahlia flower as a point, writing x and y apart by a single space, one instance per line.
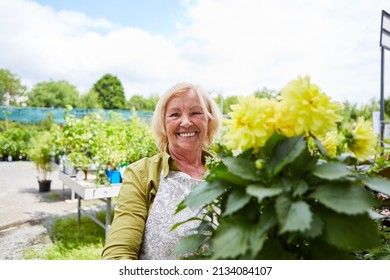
331 142
363 141
305 109
252 121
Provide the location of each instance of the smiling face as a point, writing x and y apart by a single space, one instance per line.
186 124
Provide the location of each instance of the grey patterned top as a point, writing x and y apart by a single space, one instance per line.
158 242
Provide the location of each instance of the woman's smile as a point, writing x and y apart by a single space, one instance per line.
186 134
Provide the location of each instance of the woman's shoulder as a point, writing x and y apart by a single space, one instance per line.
144 170
147 161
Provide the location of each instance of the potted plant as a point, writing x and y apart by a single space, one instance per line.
78 140
290 180
40 152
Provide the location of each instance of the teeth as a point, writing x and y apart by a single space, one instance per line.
187 134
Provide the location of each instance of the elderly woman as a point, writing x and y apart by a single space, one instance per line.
185 123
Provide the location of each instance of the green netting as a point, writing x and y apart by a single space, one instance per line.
34 115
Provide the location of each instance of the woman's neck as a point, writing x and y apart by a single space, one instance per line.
190 163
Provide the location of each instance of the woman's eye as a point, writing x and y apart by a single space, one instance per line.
174 115
196 113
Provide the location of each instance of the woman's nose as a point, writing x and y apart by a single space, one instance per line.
186 122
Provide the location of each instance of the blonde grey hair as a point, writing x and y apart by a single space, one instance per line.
208 105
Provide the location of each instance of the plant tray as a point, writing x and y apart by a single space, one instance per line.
87 189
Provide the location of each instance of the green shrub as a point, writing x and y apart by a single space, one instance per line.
15 138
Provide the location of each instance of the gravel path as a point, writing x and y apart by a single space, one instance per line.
15 241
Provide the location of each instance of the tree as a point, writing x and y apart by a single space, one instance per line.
352 111
53 94
224 103
140 103
265 93
366 110
110 92
386 107
11 89
90 101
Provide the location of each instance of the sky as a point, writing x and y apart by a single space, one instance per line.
230 47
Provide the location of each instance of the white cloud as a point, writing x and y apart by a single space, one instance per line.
250 44
39 44
229 46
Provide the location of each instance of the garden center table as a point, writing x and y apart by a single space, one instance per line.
88 190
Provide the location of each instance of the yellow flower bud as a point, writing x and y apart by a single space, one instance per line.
259 163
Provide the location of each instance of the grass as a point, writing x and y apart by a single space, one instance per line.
73 241
53 196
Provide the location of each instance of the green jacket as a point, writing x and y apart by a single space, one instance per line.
140 184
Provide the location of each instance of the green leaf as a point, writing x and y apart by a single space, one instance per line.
350 231
331 171
315 227
304 163
183 222
241 167
381 185
231 239
203 194
284 182
273 249
261 192
286 152
298 218
227 176
300 188
344 198
282 206
256 238
236 200
190 243
347 159
272 142
320 147
322 250
268 218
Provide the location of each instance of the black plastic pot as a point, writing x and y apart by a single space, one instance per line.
44 185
